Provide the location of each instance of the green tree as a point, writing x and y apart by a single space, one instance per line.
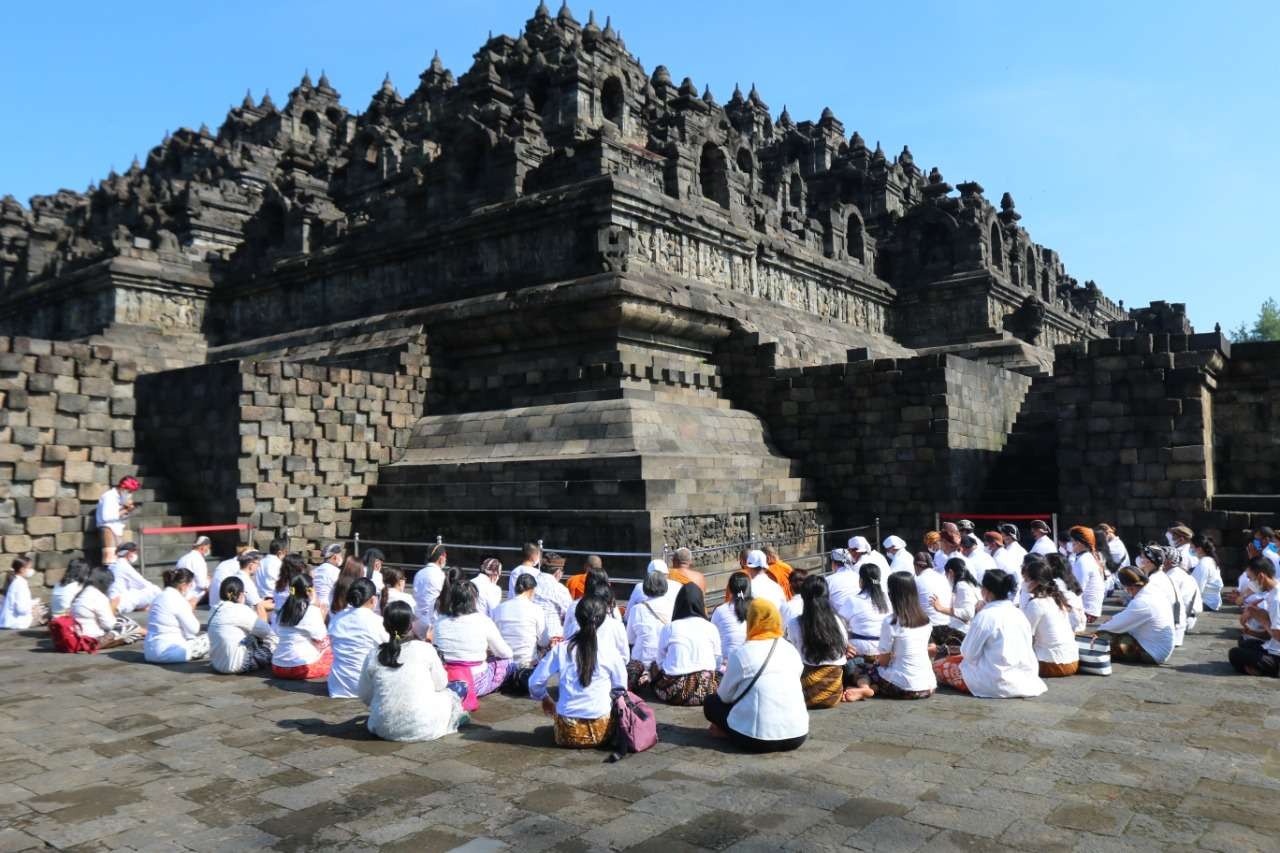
1265 328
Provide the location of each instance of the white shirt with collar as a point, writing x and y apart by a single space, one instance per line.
229 569
592 702
488 594
522 569
1043 545
929 583
353 633
267 575
774 709
130 588
110 511
765 587
195 562
842 585
1092 585
323 577
999 657
645 622
427 584
964 605
523 625
902 562
554 597
1148 617
1052 636
689 645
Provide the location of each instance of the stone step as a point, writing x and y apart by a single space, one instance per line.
1246 503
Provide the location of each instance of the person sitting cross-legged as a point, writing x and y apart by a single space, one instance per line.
997 659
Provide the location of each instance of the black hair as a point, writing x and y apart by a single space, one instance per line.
76 572
459 597
1062 572
277 545
295 606
526 582
689 603
291 565
20 563
655 584
437 550
584 644
397 618
391 577
1205 544
1109 563
739 591
999 583
370 557
176 576
1263 566
824 636
904 597
1041 574
531 551
231 590
452 577
99 578
959 572
869 577
597 585
360 591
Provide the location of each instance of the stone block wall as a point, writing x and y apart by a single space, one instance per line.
280 445
1135 443
66 433
1246 421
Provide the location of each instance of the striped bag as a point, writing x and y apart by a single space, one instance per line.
1095 655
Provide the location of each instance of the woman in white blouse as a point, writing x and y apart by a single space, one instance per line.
759 705
901 669
1143 631
61 596
1189 604
730 618
96 617
1088 571
964 601
997 659
864 611
405 687
240 636
393 588
1207 575
1115 547
354 631
1066 581
589 671
688 667
469 642
303 650
18 610
645 620
1047 612
822 639
173 631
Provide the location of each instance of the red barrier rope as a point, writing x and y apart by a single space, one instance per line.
207 528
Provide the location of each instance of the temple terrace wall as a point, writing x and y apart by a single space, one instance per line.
66 432
1246 421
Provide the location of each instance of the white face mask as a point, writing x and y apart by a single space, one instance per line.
29 572
1168 538
132 558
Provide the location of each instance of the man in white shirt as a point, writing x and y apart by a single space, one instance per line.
551 595
224 570
268 572
488 592
129 590
1043 537
325 575
196 561
245 564
531 555
843 583
427 584
523 624
862 552
114 506
979 561
1261 658
1009 537
763 586
900 559
931 584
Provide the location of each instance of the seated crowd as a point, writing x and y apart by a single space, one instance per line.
979 614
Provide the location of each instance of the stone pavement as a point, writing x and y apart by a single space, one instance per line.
105 752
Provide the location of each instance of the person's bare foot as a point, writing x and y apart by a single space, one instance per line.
857 694
717 732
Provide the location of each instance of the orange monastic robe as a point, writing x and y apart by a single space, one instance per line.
781 574
577 585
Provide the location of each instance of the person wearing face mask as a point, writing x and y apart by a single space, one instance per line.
900 559
1087 571
18 610
1179 537
997 659
1207 575
1264 545
130 591
1143 631
1043 538
1153 560
978 560
932 546
1007 561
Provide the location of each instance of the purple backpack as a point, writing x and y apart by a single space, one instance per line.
636 726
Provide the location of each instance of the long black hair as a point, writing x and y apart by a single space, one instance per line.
738 590
1062 572
295 606
291 565
452 578
825 636
99 578
1041 574
352 570
869 578
458 597
397 619
77 571
176 576
904 598
959 572
370 557
689 603
1205 544
360 591
584 644
597 585
391 577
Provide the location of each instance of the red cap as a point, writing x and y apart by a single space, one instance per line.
129 484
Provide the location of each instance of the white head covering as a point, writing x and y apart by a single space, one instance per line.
894 542
841 556
860 545
658 566
756 559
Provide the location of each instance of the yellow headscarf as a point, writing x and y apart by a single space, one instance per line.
763 620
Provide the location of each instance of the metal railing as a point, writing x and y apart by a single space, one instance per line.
171 531
1051 517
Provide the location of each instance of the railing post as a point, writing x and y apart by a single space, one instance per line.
937 522
876 544
142 551
822 538
1055 530
355 544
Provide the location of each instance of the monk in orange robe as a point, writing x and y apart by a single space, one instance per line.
682 571
578 583
778 570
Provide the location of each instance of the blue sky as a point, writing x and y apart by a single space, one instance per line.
1139 139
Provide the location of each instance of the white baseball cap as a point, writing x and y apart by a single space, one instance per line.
658 566
860 544
756 559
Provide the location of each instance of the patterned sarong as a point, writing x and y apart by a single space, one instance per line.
583 734
823 685
691 689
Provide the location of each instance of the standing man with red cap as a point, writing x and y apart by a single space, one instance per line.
114 507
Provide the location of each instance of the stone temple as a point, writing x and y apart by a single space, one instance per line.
563 297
